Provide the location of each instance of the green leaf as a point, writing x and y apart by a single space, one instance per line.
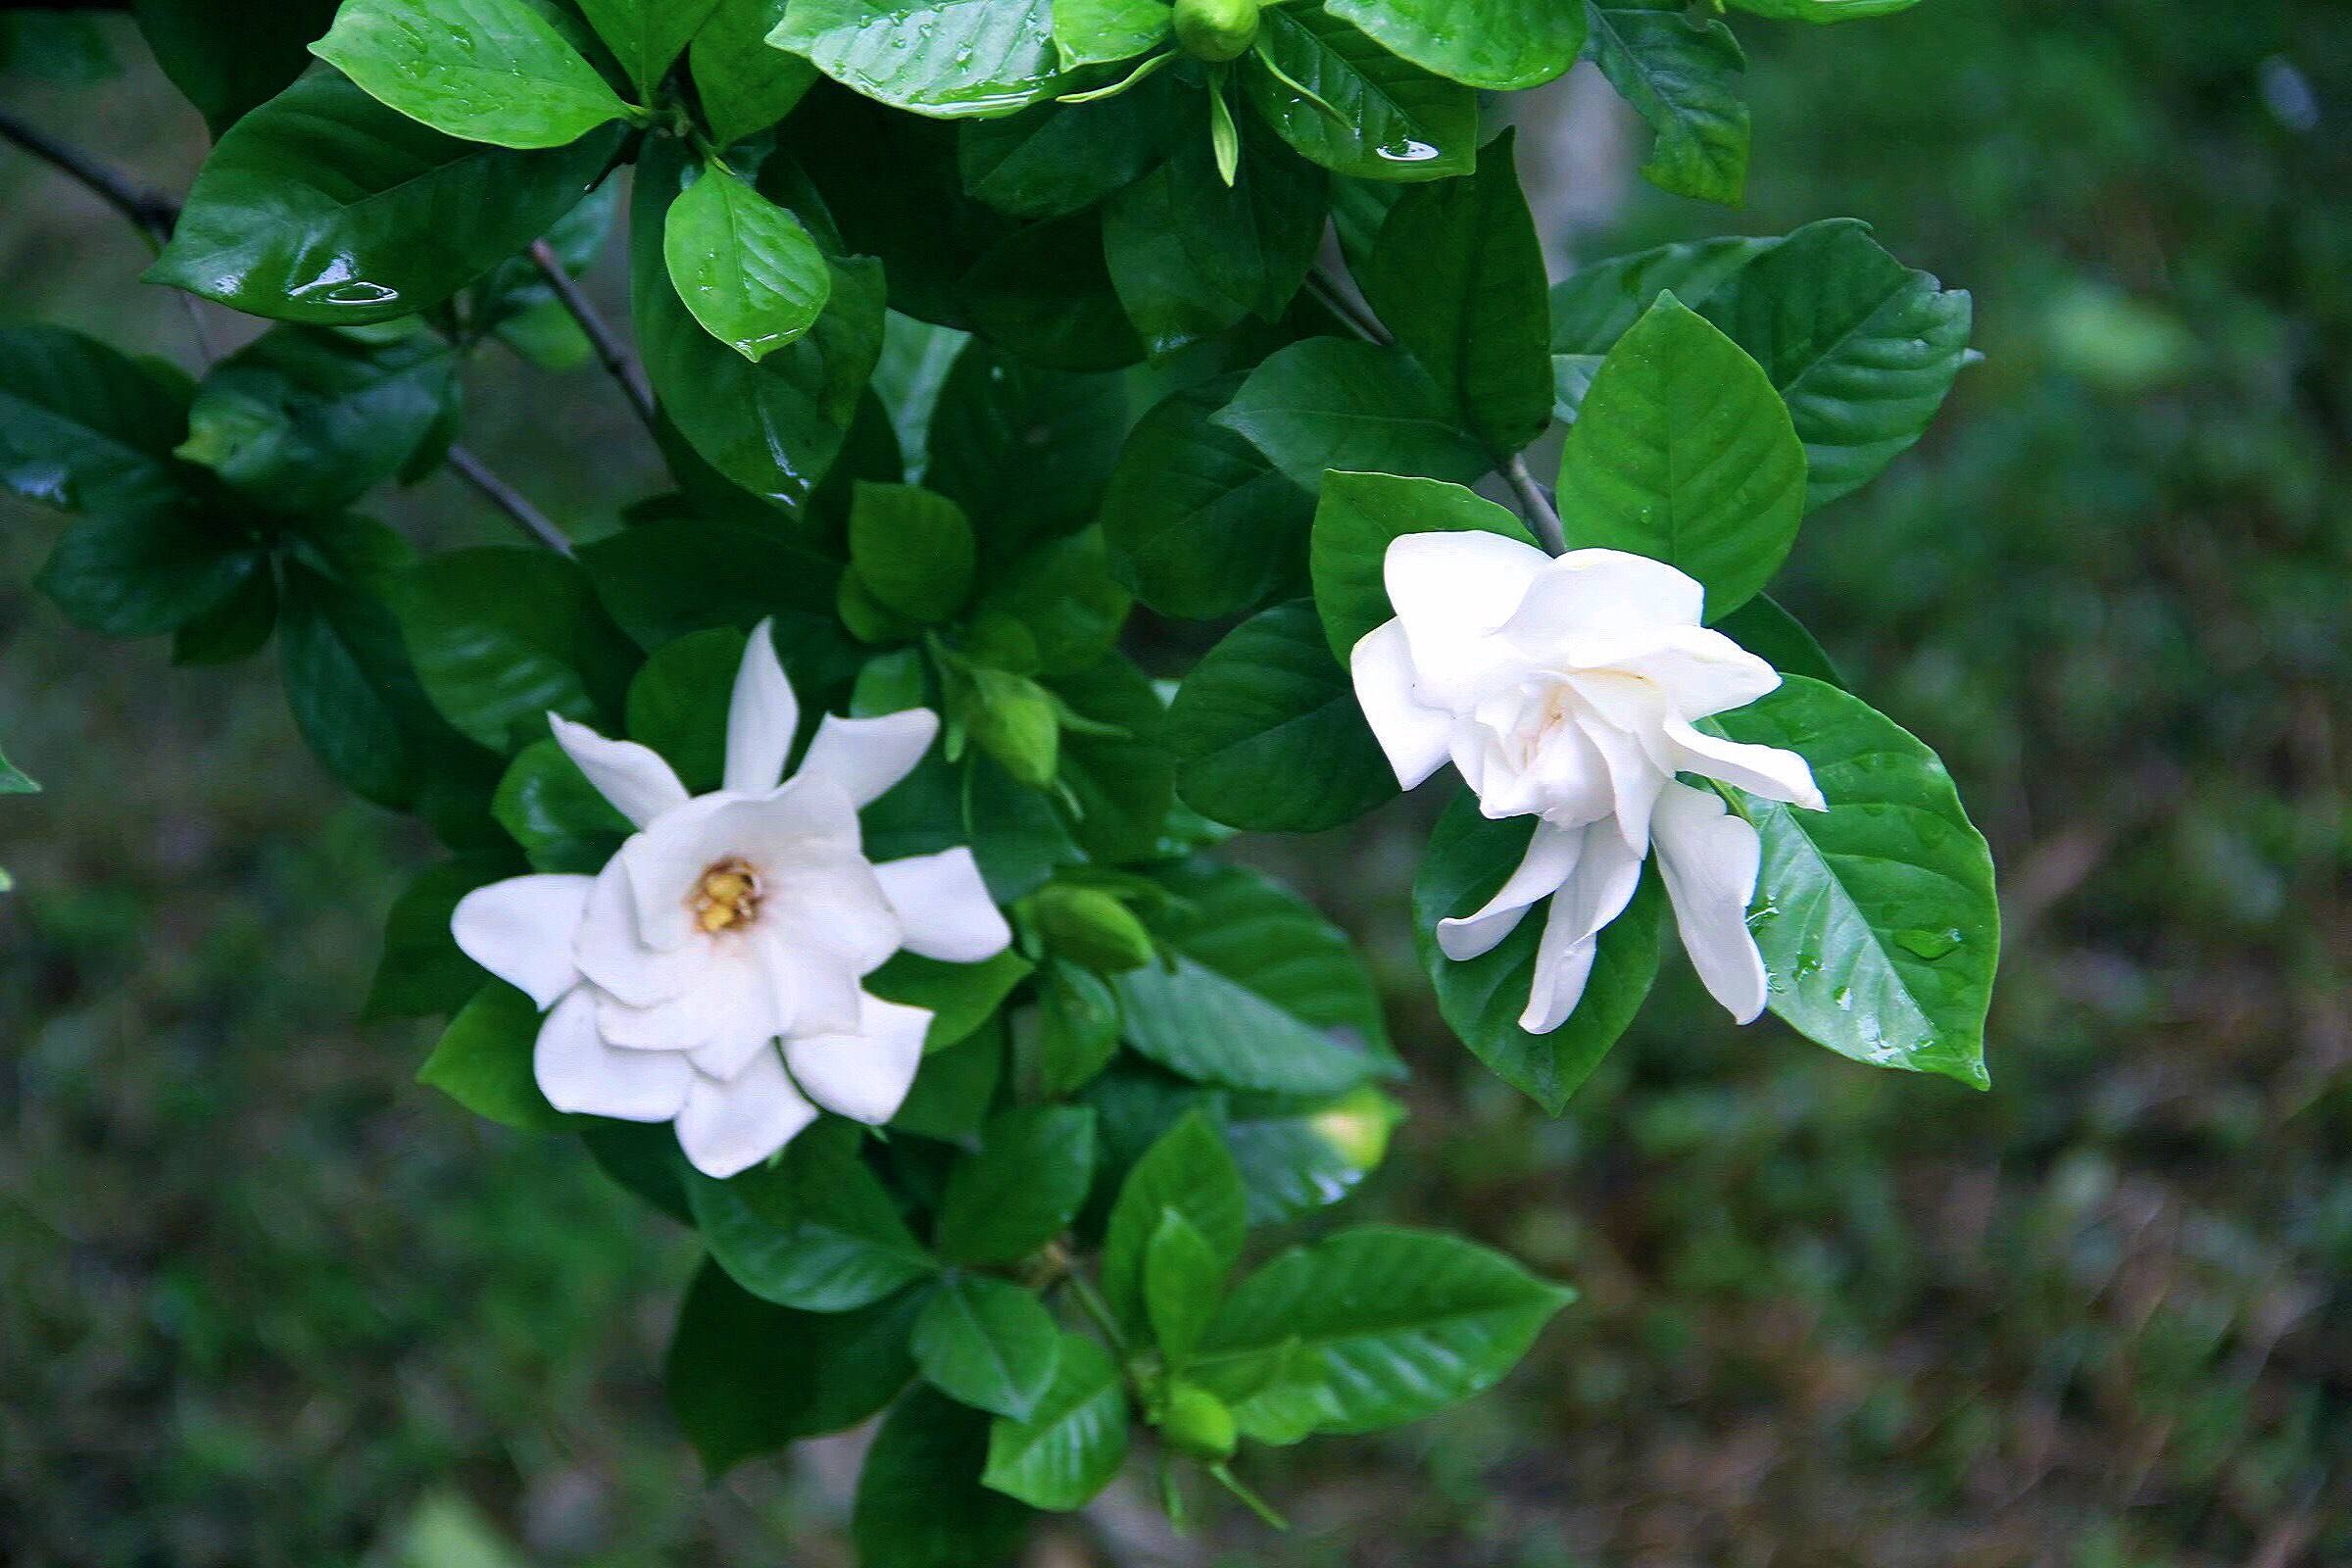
1262 993
1268 732
745 1377
491 71
1025 450
324 205
920 1503
1077 1027
1189 1172
1184 1283
744 266
1013 831
1861 348
1330 402
989 1344
943 58
1193 254
1683 76
774 427
228 58
421 971
1044 293
1497 45
235 628
1296 1158
961 996
1062 596
1094 32
1458 276
483 1061
955 1088
745 86
13 780
813 1229
1360 516
1056 159
1116 767
143 572
1684 453
1593 306
662 581
913 548
502 636
1384 1326
1823 11
647 35
1074 1442
1780 640
1469 858
1198 522
1022 1188
302 422
678 704
1877 918
1394 120
548 807
83 427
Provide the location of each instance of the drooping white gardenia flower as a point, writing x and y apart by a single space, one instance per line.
709 974
1566 689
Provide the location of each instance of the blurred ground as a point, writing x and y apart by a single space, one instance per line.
262 1302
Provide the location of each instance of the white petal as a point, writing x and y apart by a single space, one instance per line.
1703 671
864 1075
1451 591
866 756
729 1126
1562 966
1607 872
1634 781
578 1071
610 952
942 906
1550 861
1766 770
729 1054
633 777
521 931
1709 861
807 822
1413 735
1614 593
813 990
762 717
684 1022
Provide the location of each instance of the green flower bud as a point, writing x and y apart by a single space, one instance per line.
1013 720
1217 29
1197 1422
1091 928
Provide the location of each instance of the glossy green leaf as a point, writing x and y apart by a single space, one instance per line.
1185 1171
228 58
237 627
1877 918
1592 307
1056 159
744 266
1299 1157
1091 32
421 972
960 996
1684 452
483 1061
913 548
1457 275
989 1344
1022 1188
1385 1326
1076 1027
1268 733
1862 348
919 1501
1117 764
502 636
813 1230
1262 993
488 71
1780 640
1469 858
1824 12
324 205
1331 402
1192 255
660 582
1683 76
1014 832
1199 523
1393 121
1184 1282
1044 293
1496 44
745 85
1358 518
144 572
1025 450
956 1088
745 1377
943 58
1069 1449
1062 596
678 704
83 427
548 807
647 35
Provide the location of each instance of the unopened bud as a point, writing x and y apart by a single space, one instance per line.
1091 928
1197 1422
1217 29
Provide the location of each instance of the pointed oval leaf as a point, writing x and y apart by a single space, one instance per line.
943 58
1683 76
1500 45
488 71
744 266
1331 402
1073 1443
989 1344
815 1230
1393 121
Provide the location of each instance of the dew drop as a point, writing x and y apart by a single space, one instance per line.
1406 151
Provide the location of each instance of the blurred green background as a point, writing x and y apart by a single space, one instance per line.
262 1301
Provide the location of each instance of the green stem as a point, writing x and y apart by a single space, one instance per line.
1252 1500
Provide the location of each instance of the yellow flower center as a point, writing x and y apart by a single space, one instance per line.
727 897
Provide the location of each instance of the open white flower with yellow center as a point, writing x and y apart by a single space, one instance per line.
710 975
1566 690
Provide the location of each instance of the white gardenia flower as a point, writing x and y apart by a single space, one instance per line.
709 974
1565 689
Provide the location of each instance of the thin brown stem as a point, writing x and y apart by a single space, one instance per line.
504 496
150 211
610 350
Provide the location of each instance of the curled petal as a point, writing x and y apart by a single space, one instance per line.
866 756
864 1075
521 930
1605 592
1767 770
1550 861
633 777
942 906
1709 859
1562 968
762 715
1452 590
728 1127
1607 872
813 990
611 951
578 1071
1413 735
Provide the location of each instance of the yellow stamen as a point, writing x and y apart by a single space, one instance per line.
726 896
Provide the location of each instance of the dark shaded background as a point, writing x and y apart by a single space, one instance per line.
264 1301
